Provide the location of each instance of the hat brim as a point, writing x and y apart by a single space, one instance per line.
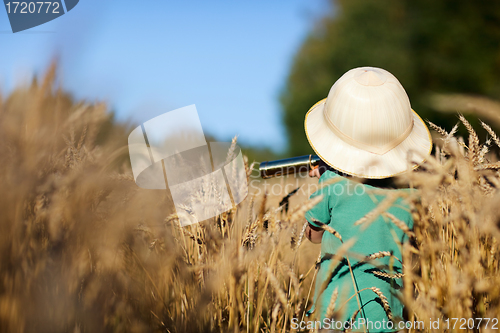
361 163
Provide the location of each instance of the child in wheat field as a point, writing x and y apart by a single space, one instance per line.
365 132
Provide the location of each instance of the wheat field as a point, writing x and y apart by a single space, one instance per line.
83 249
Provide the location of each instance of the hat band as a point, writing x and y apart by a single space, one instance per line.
372 149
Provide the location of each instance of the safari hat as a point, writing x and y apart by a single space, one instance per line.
366 126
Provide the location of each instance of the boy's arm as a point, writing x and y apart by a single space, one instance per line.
314 234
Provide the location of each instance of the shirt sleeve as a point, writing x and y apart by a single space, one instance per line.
322 211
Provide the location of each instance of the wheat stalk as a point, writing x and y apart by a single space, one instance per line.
300 212
373 214
276 285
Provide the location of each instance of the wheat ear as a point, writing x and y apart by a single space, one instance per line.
380 254
389 276
353 318
494 136
301 235
473 141
400 224
331 306
385 303
491 166
328 228
438 129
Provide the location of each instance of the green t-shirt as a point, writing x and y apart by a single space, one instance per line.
345 202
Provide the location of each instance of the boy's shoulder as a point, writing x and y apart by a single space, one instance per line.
357 189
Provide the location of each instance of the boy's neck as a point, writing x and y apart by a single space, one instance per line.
387 183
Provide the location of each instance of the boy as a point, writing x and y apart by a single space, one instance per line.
366 129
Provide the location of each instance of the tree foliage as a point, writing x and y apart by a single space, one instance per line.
430 46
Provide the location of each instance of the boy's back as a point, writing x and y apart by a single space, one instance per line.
344 203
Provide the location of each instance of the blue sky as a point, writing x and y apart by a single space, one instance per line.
146 57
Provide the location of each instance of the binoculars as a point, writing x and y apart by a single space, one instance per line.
293 165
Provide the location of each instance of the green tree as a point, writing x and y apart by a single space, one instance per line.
430 46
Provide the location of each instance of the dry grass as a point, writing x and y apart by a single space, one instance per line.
83 249
479 106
